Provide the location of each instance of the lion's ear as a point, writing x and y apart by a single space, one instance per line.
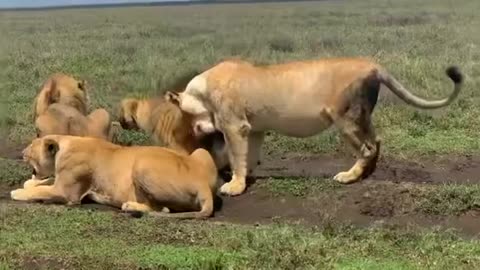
82 85
51 146
52 95
172 97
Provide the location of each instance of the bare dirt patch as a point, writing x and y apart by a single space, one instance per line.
365 204
388 197
458 169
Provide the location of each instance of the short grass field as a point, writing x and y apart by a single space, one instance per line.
420 210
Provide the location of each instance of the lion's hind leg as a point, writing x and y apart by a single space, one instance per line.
353 119
365 145
101 199
135 207
205 199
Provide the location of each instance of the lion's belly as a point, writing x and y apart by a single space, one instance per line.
292 111
296 123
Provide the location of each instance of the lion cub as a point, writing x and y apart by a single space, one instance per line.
133 178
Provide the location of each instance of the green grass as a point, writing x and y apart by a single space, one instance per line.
298 187
13 172
141 52
102 240
450 199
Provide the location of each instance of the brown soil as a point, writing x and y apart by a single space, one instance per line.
382 199
364 204
458 169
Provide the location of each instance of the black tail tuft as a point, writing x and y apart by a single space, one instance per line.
453 72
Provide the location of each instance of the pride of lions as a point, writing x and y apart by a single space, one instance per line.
218 120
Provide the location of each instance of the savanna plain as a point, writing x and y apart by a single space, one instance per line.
419 210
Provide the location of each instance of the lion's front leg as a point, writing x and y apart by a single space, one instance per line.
38 193
33 182
236 137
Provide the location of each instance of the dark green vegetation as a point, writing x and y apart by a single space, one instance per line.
142 51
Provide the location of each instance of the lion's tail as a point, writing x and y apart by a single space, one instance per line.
399 90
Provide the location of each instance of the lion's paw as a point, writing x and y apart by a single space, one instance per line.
345 178
18 194
129 206
233 188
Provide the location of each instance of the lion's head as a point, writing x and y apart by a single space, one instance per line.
40 154
63 89
128 113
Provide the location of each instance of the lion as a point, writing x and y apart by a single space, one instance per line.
133 178
298 99
64 89
162 118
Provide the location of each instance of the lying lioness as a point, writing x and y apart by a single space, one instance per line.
61 119
298 99
136 178
64 89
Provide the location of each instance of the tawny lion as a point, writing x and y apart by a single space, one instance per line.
298 99
135 178
61 108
